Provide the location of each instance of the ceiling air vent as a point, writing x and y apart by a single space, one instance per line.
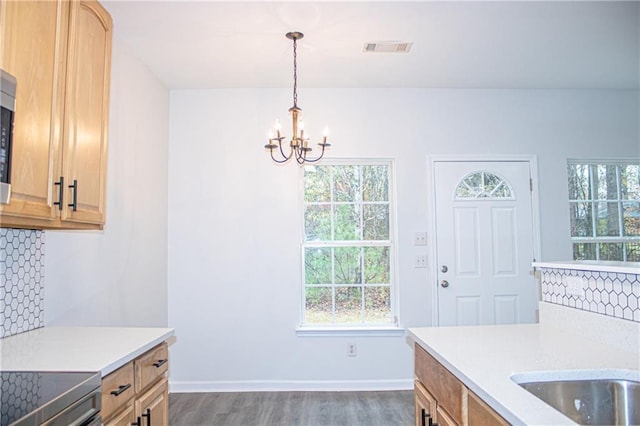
388 47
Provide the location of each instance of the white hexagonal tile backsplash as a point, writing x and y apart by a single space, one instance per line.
612 294
21 280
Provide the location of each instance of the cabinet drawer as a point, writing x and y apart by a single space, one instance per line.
150 366
444 386
117 390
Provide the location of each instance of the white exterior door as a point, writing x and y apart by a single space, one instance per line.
484 243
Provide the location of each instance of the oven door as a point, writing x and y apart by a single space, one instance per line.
82 413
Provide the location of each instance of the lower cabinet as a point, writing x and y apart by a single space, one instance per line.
138 392
152 408
443 400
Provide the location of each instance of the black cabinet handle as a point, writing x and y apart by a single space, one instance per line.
60 185
74 205
137 422
426 416
120 389
147 414
159 363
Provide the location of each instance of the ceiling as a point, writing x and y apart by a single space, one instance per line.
456 44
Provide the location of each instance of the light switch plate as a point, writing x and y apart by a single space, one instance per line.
420 239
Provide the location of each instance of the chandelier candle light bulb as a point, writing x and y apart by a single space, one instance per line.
298 146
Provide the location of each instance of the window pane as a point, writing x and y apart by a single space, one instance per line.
633 252
375 183
346 183
347 234
347 265
317 184
580 214
348 305
631 218
610 251
630 182
317 265
317 223
608 223
483 185
606 182
584 251
579 188
318 305
347 222
376 265
377 302
376 221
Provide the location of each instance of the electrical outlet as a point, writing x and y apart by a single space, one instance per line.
575 285
352 350
420 261
420 239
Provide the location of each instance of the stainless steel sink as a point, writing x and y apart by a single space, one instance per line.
592 402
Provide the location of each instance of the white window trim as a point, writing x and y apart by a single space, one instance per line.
354 330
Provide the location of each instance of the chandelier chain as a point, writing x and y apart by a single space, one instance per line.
295 73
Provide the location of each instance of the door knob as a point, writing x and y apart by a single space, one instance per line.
444 269
444 283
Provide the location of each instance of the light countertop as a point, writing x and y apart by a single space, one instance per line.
592 265
102 349
485 357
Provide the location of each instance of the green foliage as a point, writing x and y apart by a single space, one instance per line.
347 280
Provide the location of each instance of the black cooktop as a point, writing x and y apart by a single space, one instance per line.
27 395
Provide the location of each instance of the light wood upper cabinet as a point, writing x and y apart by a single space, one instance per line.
84 147
60 53
33 38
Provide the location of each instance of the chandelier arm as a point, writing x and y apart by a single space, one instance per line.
282 151
283 160
314 160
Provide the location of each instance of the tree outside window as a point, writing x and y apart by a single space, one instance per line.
347 249
604 205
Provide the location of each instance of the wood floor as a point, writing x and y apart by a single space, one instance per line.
389 408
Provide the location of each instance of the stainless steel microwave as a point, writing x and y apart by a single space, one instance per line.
7 110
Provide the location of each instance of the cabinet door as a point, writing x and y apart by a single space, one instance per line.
153 406
84 157
425 413
445 420
33 42
124 418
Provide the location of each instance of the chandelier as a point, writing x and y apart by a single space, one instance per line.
298 146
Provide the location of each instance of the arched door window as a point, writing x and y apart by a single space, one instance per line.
483 185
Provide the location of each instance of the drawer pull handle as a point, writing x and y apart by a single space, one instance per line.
60 185
147 414
74 204
159 363
137 422
120 389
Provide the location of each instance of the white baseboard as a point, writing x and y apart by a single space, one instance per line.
289 385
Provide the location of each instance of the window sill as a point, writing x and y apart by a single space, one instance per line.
349 331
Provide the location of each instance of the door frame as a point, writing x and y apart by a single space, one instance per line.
535 211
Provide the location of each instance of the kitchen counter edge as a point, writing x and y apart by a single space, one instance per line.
99 349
